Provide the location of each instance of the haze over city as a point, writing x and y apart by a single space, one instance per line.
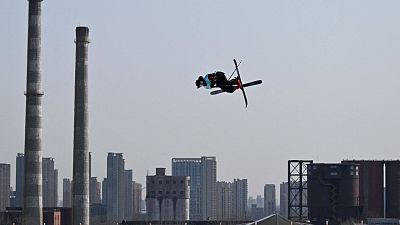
329 70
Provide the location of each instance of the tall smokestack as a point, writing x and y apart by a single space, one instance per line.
32 211
80 180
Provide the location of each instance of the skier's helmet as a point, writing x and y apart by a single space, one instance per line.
200 82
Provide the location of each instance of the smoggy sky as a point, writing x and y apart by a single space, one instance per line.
330 91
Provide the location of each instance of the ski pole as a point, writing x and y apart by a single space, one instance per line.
235 70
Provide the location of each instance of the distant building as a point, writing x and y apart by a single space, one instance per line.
13 198
94 191
117 189
269 199
256 213
167 197
19 180
113 187
50 183
67 193
209 188
104 192
224 200
4 186
190 167
251 201
137 200
203 177
239 199
128 193
98 214
283 207
260 201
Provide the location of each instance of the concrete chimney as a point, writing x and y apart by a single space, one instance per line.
32 211
80 180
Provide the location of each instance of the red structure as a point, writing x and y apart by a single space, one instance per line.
51 216
371 187
333 193
392 189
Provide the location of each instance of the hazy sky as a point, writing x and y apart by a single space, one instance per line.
330 91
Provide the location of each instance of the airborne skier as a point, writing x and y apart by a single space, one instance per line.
218 79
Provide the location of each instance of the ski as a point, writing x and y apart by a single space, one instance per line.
240 82
244 85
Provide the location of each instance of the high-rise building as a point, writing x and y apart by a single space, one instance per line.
209 188
50 183
19 180
128 193
104 192
224 200
283 199
67 193
13 202
259 201
4 186
116 195
239 199
94 191
269 199
137 200
251 201
190 167
167 197
203 177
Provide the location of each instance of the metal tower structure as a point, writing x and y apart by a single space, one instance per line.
297 190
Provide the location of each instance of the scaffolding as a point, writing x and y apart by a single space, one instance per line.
297 190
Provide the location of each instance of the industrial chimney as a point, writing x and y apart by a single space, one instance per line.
80 185
32 211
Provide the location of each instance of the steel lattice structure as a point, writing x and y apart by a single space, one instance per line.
297 190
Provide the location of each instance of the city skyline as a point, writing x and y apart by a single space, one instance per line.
329 91
61 180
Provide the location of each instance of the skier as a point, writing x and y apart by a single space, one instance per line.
218 79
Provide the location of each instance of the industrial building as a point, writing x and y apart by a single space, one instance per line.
167 197
379 199
371 187
333 193
392 189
